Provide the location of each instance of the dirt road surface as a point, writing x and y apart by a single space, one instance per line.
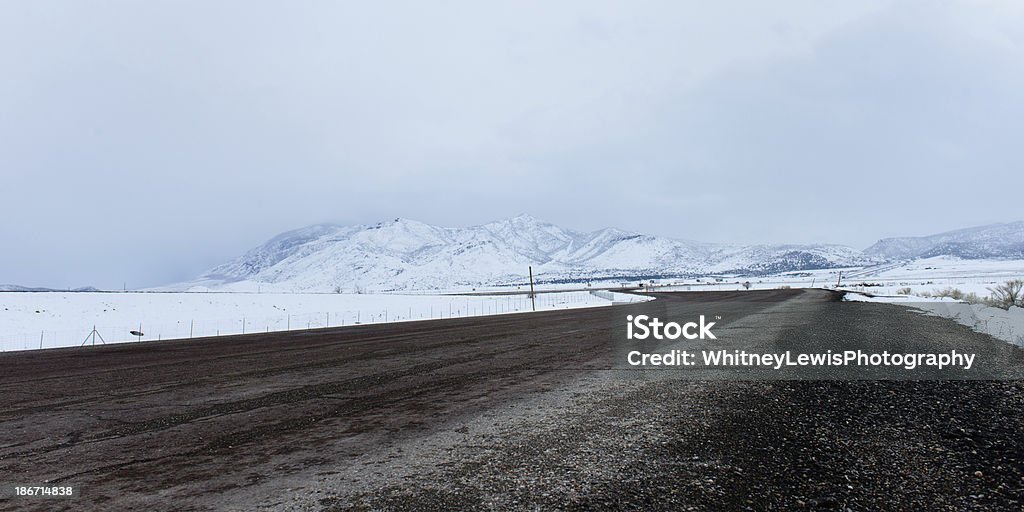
508 412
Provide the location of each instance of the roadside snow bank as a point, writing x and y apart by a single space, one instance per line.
1007 325
892 299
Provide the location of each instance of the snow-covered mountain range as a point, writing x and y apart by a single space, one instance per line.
403 254
991 241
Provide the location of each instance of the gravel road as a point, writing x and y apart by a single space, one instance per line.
514 412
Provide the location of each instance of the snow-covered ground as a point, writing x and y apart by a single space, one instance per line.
933 274
924 276
825 278
30 320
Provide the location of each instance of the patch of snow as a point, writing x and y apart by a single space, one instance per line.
893 299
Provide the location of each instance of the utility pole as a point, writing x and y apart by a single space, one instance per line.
840 279
533 298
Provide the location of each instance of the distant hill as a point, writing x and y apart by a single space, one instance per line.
16 288
991 241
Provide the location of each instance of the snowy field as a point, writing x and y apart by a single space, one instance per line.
33 320
933 274
805 279
924 276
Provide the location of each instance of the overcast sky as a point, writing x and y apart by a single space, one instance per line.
144 142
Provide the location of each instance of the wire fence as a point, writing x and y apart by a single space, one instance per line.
155 328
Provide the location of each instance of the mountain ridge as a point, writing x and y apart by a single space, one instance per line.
404 254
999 240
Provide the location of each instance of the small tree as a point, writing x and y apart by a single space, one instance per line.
1008 294
746 285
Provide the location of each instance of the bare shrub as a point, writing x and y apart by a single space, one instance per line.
1010 293
952 293
957 294
904 291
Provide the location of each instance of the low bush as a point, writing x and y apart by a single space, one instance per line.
1010 293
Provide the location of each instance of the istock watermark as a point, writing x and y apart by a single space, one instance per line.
646 326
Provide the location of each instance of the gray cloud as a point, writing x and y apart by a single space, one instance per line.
144 142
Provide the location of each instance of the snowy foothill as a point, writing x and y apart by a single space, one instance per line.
33 320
